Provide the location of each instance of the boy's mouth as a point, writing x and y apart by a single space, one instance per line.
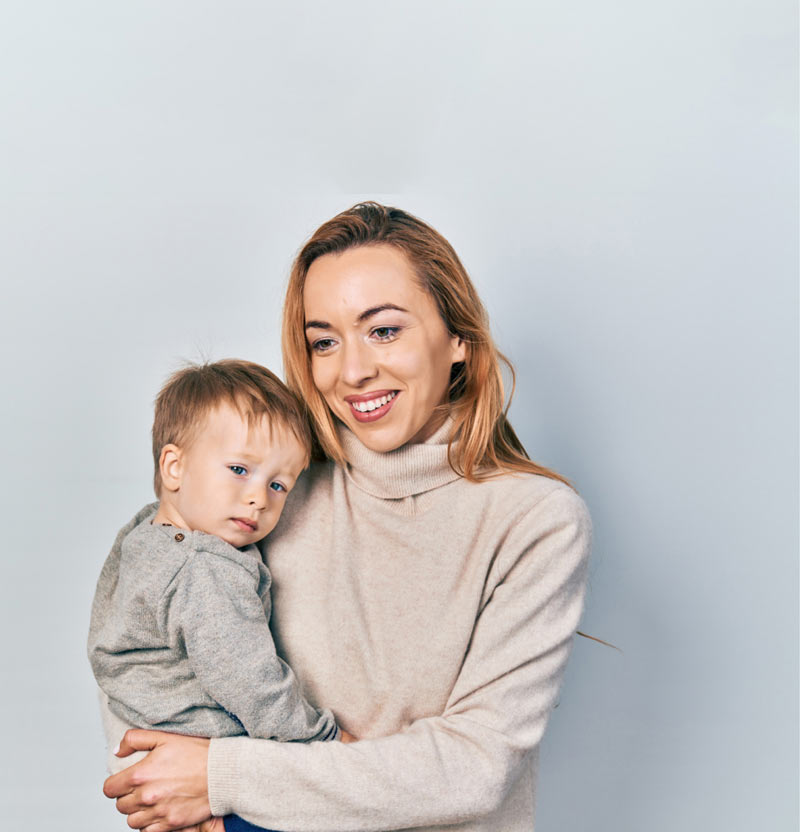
244 524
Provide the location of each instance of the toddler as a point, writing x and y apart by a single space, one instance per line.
179 638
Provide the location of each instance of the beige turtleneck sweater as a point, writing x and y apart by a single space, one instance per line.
434 616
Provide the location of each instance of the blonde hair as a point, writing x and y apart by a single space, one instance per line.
191 393
483 443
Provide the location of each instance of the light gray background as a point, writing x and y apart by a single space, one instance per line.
620 179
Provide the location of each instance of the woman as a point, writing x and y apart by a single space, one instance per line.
428 577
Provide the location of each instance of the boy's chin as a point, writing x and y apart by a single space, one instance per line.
241 539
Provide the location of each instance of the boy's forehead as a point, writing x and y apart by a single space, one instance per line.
228 426
225 421
226 415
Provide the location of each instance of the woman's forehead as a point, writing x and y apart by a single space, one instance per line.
361 279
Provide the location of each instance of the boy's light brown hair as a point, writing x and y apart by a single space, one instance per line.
188 396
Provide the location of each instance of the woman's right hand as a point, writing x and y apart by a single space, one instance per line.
168 789
213 825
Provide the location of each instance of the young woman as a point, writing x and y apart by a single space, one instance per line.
428 578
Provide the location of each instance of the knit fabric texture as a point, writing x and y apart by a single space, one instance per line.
434 616
179 639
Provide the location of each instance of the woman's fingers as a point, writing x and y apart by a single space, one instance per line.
137 801
129 803
168 789
152 821
141 820
213 825
138 739
125 781
151 817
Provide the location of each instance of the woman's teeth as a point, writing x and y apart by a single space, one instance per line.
365 407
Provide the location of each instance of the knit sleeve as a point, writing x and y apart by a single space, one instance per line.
457 766
213 607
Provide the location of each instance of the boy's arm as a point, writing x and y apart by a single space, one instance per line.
213 606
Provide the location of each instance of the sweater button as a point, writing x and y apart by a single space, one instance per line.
179 536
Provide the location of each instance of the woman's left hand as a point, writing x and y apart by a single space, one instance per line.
168 789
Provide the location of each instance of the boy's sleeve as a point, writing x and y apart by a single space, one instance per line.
213 606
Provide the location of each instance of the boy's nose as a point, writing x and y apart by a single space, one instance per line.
258 496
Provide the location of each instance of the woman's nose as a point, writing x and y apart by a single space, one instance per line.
358 363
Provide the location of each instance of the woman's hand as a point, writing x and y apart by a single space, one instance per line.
168 789
213 825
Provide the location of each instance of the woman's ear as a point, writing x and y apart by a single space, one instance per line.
458 349
170 464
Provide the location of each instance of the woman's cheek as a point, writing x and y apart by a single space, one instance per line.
323 375
418 374
319 375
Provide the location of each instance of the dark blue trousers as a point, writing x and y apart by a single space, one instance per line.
233 823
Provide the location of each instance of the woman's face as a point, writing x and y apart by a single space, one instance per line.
380 351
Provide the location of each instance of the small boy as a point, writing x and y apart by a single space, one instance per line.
179 638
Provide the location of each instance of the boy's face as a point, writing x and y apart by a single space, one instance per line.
232 480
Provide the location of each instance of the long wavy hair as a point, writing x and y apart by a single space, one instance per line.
483 443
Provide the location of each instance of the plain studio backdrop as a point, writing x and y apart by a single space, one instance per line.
620 179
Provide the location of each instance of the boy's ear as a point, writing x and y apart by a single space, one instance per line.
170 464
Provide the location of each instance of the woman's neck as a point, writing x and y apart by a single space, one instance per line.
411 469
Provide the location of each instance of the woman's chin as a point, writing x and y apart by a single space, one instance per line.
381 438
385 438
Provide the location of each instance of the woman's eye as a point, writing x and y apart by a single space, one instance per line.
276 486
322 344
385 333
239 470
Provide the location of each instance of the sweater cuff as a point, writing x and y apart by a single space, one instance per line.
223 775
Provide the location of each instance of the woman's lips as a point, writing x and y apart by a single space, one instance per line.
381 402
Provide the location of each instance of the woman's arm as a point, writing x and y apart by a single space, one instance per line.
443 769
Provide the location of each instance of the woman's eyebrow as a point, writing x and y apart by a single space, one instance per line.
373 310
366 314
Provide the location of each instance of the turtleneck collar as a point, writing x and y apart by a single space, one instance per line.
409 470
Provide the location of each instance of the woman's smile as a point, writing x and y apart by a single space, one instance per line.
381 354
371 406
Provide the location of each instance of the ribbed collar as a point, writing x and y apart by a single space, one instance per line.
410 470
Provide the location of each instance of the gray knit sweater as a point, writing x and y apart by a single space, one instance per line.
179 639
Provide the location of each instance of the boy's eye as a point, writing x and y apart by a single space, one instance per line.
276 486
239 470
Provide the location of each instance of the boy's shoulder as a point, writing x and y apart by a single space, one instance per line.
167 549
